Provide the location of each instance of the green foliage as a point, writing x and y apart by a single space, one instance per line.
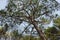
1 28
3 13
15 33
30 38
57 22
34 1
52 33
44 20
52 30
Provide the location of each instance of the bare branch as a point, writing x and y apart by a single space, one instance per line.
25 28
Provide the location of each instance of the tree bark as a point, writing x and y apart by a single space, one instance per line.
41 34
39 30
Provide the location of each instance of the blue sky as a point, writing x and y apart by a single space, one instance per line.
3 3
58 1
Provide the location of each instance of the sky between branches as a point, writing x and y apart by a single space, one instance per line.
3 4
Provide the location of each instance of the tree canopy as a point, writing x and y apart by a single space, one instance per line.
34 12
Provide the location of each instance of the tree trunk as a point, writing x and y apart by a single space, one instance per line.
39 30
41 34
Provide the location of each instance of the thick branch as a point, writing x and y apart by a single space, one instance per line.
41 34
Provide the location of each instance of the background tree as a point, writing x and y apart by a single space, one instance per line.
3 30
57 22
52 33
